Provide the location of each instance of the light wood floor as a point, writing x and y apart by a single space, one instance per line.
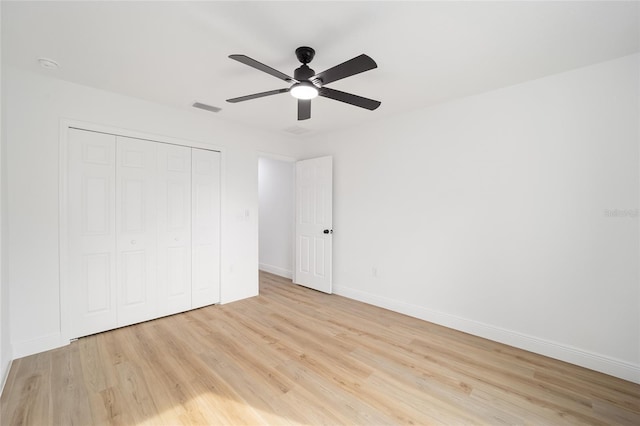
296 356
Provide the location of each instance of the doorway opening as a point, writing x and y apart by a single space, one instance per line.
276 190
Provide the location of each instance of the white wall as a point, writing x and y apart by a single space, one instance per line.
276 194
490 214
5 342
34 106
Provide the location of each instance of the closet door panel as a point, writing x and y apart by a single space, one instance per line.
205 227
91 225
174 229
136 223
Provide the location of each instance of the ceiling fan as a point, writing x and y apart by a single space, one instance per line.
307 84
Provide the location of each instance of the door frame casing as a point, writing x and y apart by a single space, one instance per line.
63 227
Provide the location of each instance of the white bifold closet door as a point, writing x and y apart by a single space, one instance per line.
136 229
91 193
174 229
206 227
144 230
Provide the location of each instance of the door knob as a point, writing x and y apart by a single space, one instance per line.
328 231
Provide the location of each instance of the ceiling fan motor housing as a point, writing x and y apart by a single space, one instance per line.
303 73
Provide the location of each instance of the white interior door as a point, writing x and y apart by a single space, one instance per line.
91 230
205 187
174 229
136 224
314 198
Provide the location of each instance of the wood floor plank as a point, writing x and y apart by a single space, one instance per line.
138 398
32 387
294 356
92 358
11 399
68 389
332 402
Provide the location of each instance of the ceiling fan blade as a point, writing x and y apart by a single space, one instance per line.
262 67
304 109
349 98
353 66
257 95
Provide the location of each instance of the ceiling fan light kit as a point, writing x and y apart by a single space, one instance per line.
304 90
306 84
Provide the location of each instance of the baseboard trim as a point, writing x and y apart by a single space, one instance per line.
567 353
37 345
276 270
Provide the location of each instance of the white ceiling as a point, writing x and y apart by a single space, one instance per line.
175 53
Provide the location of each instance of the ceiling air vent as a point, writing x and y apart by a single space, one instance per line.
206 107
